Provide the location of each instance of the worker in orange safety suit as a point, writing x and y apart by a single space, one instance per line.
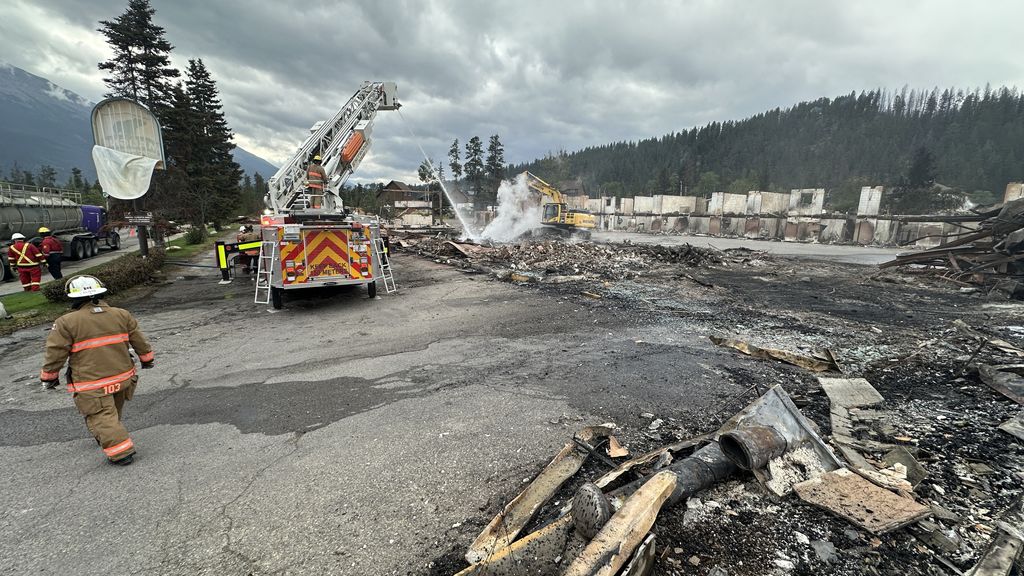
27 259
93 339
53 252
316 179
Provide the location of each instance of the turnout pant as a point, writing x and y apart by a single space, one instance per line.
53 264
30 277
103 419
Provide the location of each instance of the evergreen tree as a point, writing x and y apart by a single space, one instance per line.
474 167
975 138
495 163
141 66
425 172
922 169
453 160
76 181
213 172
47 176
173 195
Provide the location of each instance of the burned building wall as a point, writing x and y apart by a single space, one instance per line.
797 216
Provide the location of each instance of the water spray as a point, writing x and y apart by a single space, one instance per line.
465 225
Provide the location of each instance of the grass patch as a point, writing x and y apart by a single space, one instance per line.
182 250
23 301
33 308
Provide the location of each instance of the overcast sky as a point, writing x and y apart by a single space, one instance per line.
544 75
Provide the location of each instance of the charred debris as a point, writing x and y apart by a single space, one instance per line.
900 466
984 253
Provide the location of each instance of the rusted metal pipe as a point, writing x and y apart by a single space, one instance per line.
751 447
702 469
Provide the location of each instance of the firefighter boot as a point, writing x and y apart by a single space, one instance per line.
124 461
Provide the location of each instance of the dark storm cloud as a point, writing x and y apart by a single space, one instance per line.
544 75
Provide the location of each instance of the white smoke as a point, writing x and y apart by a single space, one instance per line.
519 211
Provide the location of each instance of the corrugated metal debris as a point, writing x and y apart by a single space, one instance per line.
988 250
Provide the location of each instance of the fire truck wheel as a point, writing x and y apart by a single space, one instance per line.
371 290
276 297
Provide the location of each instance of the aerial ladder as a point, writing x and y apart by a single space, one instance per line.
308 241
556 216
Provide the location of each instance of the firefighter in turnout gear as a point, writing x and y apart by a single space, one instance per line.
26 258
93 339
316 179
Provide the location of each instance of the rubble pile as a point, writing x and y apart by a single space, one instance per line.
934 445
604 261
559 260
925 417
986 249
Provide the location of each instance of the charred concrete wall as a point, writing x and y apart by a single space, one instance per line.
797 216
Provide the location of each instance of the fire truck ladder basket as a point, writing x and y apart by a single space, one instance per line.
381 252
264 271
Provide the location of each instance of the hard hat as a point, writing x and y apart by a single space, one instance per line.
43 230
316 158
84 287
17 236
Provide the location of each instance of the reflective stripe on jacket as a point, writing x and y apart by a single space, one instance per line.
94 340
22 253
315 176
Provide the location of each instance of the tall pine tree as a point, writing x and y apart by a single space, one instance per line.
474 167
453 160
213 170
141 66
495 163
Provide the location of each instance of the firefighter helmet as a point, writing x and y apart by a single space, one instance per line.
43 230
17 236
84 286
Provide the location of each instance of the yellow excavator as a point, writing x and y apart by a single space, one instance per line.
556 216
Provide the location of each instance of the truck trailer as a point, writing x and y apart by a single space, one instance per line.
81 228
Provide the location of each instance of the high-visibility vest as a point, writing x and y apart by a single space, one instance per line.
25 255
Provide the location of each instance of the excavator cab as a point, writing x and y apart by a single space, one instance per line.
552 213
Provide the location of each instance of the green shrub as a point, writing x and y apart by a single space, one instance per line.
121 274
195 235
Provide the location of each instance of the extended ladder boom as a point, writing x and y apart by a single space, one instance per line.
341 143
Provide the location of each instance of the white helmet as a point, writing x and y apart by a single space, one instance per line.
17 236
84 287
241 228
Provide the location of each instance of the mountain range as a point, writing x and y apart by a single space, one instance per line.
43 123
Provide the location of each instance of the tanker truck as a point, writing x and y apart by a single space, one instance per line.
81 228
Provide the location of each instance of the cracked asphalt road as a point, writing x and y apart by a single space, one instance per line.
341 435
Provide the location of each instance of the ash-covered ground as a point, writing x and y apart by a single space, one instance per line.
889 328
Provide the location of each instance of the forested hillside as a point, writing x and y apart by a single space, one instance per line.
976 139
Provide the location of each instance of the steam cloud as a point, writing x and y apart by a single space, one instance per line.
519 212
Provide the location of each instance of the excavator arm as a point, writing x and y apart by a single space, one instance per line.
341 143
543 188
555 212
